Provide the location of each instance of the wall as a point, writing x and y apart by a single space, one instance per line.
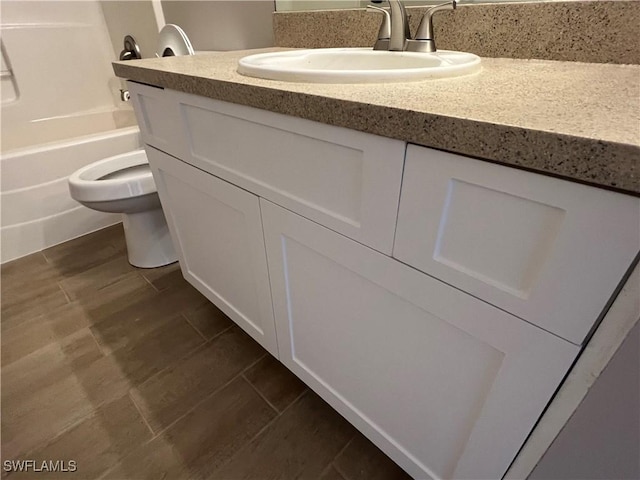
602 438
50 45
223 25
131 17
58 56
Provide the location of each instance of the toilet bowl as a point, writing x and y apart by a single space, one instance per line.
124 184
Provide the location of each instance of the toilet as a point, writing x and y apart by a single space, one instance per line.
124 184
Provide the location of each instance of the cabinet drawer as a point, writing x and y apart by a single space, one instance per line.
447 385
346 180
547 250
157 114
217 231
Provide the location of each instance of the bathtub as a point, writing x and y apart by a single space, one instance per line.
37 211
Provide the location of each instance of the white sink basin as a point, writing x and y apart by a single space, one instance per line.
357 65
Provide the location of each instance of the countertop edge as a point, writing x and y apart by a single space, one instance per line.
510 145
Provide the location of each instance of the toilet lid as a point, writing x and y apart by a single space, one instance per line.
173 42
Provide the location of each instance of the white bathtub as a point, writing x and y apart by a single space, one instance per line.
37 211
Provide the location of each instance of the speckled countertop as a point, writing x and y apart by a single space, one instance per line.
575 120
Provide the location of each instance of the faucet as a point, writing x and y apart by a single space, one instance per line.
425 41
394 29
394 32
399 26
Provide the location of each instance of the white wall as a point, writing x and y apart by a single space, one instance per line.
223 25
60 55
131 17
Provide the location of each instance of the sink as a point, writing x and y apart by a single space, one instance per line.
357 65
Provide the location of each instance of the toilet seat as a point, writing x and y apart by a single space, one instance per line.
172 41
114 178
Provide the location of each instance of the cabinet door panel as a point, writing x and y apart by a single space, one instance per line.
158 116
447 385
217 231
346 180
547 250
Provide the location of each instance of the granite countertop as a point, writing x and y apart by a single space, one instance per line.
580 121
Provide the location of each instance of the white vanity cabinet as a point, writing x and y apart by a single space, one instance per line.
546 250
444 356
447 385
217 231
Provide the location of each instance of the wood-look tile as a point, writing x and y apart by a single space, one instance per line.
29 288
48 391
16 309
158 349
275 382
113 298
98 442
48 365
40 331
90 282
117 297
131 324
202 440
300 443
331 474
362 460
175 390
88 251
32 269
209 320
164 277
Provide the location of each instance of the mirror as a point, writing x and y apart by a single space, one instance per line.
290 5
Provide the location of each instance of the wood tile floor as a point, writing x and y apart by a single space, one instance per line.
133 374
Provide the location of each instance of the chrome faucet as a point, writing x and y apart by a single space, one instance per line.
394 32
425 41
399 26
394 29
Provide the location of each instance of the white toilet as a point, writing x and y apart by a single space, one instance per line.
124 184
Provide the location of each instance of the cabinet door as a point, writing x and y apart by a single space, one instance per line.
348 181
217 231
547 250
447 385
158 117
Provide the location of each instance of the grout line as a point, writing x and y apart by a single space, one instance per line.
148 281
342 474
95 339
144 419
260 394
328 467
266 426
46 259
342 450
64 292
189 353
206 340
195 406
214 392
254 363
296 400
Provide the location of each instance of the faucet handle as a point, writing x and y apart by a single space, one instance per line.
425 30
384 34
424 40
